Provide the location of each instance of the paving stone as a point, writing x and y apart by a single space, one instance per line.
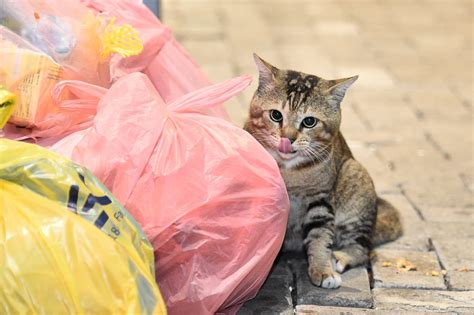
463 92
445 190
201 54
362 65
451 230
467 177
293 57
275 295
380 97
421 278
234 108
379 171
238 32
351 122
388 118
418 165
424 300
442 134
218 72
330 310
409 241
448 214
408 73
325 10
354 291
461 280
336 28
196 20
438 105
455 253
369 76
391 50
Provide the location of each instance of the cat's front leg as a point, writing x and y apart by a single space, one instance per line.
318 232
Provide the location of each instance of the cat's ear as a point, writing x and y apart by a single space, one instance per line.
266 72
338 88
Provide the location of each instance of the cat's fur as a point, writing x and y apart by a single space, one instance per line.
335 214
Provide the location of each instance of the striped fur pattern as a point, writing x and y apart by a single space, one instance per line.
335 214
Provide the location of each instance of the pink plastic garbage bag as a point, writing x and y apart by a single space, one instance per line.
170 68
209 198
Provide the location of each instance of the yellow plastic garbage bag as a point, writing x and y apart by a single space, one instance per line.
66 245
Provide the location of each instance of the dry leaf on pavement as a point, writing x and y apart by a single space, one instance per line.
405 265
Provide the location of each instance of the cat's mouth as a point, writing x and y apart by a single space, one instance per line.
288 155
285 147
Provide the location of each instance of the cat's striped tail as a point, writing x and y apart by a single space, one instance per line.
388 226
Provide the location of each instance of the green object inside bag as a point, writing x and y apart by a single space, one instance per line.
7 104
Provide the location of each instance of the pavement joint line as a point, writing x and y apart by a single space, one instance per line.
419 114
465 102
236 71
221 18
418 210
294 287
219 36
429 138
465 181
390 164
365 121
445 276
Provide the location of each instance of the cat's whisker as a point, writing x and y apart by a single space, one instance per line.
318 154
321 150
309 155
313 155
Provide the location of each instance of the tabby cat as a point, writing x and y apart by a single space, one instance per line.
335 214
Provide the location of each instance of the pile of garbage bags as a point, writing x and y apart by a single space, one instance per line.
169 194
68 246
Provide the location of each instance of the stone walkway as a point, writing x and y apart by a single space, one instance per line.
408 119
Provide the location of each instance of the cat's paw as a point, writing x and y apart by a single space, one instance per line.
332 281
327 280
336 265
339 261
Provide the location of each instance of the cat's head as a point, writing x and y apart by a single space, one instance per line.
294 115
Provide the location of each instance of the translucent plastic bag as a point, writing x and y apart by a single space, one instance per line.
170 68
65 30
56 40
68 246
167 64
201 188
30 74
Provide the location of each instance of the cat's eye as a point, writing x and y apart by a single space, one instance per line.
275 115
309 122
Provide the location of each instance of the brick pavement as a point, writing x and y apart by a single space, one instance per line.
408 119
